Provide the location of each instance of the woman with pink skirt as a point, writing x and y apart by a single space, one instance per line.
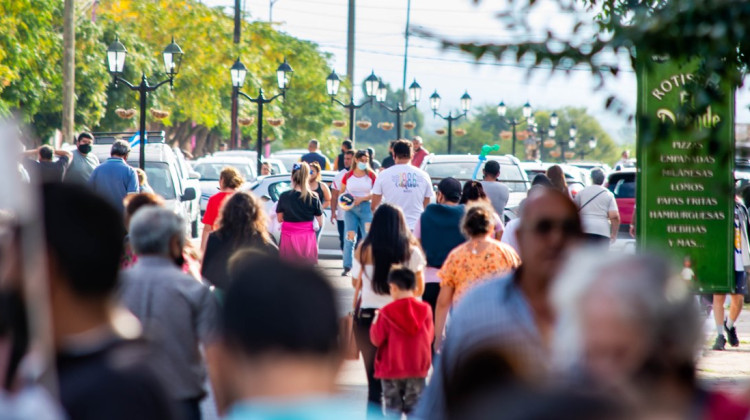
296 211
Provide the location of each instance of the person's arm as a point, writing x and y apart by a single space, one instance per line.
204 238
426 202
378 331
442 307
614 220
360 200
326 195
31 154
64 153
334 204
419 291
320 221
376 199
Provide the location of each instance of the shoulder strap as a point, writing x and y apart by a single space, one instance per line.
592 199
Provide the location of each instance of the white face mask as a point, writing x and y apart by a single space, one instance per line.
362 166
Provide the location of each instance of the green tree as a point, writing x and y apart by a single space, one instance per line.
379 138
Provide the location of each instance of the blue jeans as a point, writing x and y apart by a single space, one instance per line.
356 219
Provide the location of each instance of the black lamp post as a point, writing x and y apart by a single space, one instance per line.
573 131
283 76
549 131
332 87
502 110
592 146
465 107
116 54
415 92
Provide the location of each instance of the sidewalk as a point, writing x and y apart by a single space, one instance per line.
728 370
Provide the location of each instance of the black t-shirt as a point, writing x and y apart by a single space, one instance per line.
45 171
388 162
112 382
315 157
295 209
220 249
340 161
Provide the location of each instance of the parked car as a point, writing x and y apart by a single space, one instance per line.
269 189
209 168
575 177
277 166
164 172
289 157
462 168
588 166
622 185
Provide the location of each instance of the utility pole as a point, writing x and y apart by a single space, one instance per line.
350 46
234 141
237 21
69 70
406 50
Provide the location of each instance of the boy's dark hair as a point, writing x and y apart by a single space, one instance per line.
403 278
347 144
349 152
46 152
402 149
84 233
276 307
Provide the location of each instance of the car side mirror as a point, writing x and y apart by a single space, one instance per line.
189 194
194 175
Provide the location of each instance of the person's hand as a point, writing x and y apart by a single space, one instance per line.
613 239
437 344
333 217
632 230
357 201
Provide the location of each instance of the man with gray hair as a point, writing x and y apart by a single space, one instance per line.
177 312
598 210
114 179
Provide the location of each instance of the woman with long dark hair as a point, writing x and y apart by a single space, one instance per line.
557 178
242 224
388 243
296 210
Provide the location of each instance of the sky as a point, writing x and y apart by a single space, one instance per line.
380 28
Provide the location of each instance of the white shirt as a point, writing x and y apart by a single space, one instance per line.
359 186
372 300
405 186
509 236
595 214
336 185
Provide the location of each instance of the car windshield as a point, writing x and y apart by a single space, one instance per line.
622 186
510 175
160 180
210 171
278 188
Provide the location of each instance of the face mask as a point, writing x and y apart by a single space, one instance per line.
180 261
84 148
362 166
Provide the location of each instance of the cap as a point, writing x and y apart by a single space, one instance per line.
451 189
492 167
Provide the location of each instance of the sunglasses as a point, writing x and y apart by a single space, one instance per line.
567 226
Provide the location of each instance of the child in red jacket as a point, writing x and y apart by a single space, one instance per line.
402 332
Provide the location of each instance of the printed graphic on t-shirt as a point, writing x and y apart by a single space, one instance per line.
406 180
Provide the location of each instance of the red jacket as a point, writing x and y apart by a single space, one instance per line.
403 333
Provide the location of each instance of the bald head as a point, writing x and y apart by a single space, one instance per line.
549 227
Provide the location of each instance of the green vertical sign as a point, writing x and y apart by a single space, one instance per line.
685 180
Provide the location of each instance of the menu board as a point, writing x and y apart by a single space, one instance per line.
685 179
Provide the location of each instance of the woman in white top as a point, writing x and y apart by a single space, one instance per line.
389 243
358 183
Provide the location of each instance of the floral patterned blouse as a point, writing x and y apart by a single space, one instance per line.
465 267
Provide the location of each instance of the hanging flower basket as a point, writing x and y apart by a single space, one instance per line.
159 114
125 114
245 121
549 143
521 136
275 122
364 124
440 131
570 155
410 125
554 153
460 132
506 135
339 123
385 126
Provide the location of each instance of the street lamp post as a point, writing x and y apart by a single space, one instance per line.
283 76
573 131
502 110
415 93
465 107
116 54
333 82
550 133
592 146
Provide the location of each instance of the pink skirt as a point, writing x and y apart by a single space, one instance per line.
298 244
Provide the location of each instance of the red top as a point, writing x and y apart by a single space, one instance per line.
722 407
213 207
403 332
419 156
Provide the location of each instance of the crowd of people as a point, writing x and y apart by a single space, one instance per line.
454 314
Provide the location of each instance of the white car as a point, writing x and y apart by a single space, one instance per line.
210 168
289 157
576 178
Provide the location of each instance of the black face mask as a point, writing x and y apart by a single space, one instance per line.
180 261
84 148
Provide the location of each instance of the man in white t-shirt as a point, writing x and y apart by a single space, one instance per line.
337 214
403 185
598 210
